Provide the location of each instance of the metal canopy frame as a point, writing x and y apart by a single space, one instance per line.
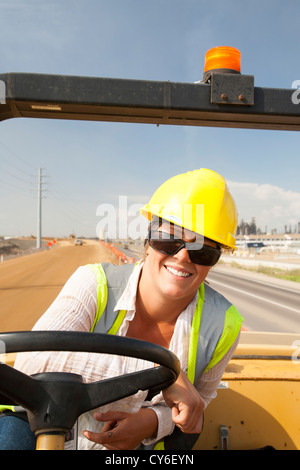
228 100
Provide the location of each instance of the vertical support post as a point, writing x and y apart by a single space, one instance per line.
50 442
39 214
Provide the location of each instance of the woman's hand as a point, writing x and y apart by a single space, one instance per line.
124 431
186 403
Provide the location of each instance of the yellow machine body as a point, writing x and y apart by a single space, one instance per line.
258 400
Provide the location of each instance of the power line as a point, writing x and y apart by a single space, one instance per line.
15 187
32 168
13 166
12 174
74 212
22 180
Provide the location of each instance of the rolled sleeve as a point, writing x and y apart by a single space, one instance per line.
165 423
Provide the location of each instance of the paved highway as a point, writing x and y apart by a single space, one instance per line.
266 304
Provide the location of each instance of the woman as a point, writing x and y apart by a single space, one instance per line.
192 218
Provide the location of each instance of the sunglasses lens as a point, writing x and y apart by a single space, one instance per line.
204 255
167 247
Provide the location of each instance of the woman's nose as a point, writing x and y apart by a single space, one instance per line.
182 255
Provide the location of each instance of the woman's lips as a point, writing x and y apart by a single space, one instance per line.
179 272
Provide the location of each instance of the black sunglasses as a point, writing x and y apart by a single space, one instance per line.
199 253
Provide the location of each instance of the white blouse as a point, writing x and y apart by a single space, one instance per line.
74 310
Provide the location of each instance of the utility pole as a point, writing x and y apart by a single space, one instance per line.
39 214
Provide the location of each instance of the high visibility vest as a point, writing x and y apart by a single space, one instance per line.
215 326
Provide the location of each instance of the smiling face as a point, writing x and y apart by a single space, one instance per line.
176 277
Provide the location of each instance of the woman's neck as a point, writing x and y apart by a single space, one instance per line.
156 312
155 317
149 326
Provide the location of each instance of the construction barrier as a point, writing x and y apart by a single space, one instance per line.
121 256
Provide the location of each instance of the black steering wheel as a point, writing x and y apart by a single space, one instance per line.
54 400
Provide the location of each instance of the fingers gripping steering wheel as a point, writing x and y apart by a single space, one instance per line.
54 400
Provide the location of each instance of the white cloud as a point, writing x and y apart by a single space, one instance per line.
272 206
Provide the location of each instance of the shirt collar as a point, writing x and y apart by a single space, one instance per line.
128 298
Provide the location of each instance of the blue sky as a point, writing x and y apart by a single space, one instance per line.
89 164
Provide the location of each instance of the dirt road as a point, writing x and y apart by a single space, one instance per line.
29 284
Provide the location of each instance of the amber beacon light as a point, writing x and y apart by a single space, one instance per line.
222 59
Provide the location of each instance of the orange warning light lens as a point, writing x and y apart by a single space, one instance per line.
223 58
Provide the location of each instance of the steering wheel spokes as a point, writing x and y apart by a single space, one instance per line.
54 400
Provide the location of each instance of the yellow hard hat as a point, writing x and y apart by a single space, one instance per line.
199 201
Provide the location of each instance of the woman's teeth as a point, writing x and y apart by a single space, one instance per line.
176 272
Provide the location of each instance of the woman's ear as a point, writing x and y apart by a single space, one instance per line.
146 246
